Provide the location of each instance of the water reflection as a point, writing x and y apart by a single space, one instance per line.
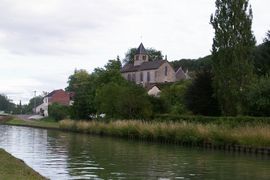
60 155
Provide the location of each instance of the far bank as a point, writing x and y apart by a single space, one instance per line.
241 135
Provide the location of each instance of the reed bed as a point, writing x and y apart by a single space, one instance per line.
176 132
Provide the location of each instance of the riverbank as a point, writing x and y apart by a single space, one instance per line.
253 138
34 123
12 168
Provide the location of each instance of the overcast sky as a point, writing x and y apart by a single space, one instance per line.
43 41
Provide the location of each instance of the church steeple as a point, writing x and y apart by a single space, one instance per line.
141 49
141 56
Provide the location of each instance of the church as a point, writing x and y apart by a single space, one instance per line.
145 72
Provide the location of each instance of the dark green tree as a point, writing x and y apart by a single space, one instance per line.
6 104
173 97
262 57
258 97
123 100
152 53
58 111
267 39
193 64
83 85
232 53
199 97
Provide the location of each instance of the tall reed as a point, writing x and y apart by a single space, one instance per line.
176 132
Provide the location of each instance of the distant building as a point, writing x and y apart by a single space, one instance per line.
145 72
57 96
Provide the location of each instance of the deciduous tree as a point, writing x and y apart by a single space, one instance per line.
232 48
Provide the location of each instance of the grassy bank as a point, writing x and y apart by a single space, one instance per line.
12 168
177 132
35 123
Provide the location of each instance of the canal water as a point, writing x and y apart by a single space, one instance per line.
60 155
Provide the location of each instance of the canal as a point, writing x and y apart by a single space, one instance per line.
62 155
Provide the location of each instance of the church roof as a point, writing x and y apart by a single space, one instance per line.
150 65
141 49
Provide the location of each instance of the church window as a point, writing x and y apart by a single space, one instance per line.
141 76
148 76
144 57
166 71
137 57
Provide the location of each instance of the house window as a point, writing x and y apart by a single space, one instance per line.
141 76
148 76
144 57
166 71
137 57
129 78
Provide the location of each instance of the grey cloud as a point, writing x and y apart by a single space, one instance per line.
47 33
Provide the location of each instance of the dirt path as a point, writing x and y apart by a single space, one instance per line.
24 117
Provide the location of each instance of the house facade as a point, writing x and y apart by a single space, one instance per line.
57 96
145 72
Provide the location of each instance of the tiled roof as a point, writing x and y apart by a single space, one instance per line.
143 67
53 92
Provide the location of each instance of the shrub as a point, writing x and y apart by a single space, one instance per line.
258 98
58 111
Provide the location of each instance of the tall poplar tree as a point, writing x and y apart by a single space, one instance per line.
232 48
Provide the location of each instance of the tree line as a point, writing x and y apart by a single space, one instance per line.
233 80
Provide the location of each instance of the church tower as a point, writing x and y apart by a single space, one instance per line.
141 56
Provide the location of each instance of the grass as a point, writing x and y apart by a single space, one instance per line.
12 168
34 123
176 132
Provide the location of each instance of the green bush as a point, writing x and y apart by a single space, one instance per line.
58 111
173 97
258 98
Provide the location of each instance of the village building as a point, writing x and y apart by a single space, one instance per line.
149 73
57 96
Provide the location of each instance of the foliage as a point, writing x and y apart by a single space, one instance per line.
78 79
82 84
232 47
173 96
193 64
5 104
152 53
58 111
267 38
123 100
262 57
199 97
158 105
85 85
258 97
33 102
8 106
